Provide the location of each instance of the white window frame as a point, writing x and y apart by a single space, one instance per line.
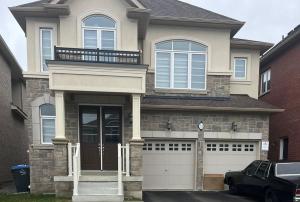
234 68
42 118
41 46
99 32
266 73
281 148
172 67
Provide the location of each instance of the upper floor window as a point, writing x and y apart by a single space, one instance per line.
99 32
266 81
180 64
46 46
47 115
283 148
240 68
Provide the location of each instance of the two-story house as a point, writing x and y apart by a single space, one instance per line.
280 76
13 135
132 95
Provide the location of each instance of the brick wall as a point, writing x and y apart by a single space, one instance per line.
217 86
285 85
13 139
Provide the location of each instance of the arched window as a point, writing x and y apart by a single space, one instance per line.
99 32
180 64
47 116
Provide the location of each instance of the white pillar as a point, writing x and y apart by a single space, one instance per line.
60 115
136 116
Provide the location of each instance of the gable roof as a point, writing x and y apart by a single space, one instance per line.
250 44
10 59
180 13
171 12
178 9
292 38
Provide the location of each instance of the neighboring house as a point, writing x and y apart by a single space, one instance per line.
13 134
165 77
280 82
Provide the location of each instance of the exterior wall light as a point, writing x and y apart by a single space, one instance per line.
234 126
169 125
201 126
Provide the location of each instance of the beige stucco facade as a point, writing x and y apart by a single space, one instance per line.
251 83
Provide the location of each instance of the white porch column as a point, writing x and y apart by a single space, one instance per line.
60 116
136 116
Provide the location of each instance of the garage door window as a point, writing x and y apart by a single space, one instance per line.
160 147
249 148
173 147
236 147
211 147
186 147
147 147
223 147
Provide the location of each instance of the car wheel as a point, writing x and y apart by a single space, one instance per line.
233 189
270 196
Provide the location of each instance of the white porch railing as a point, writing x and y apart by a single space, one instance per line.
74 163
123 165
76 169
125 159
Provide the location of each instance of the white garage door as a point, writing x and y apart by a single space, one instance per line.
168 165
220 157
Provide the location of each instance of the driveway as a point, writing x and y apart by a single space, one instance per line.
194 197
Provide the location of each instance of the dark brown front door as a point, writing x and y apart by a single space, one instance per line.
111 136
100 133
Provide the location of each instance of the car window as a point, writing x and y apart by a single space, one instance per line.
288 169
263 169
251 169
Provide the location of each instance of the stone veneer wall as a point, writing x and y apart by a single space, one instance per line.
214 122
41 157
217 86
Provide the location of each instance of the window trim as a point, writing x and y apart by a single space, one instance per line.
42 118
281 148
172 68
41 46
99 31
246 68
265 91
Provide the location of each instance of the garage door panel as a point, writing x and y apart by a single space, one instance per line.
220 157
168 165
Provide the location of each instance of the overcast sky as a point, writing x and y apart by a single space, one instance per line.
266 20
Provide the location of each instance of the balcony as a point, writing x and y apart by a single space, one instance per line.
97 56
95 70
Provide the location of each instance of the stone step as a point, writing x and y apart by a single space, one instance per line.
97 178
99 173
98 198
98 188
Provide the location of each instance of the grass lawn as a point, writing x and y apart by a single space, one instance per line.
30 198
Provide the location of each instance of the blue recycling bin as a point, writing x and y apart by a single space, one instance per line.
21 175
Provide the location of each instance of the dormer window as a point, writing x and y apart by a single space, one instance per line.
180 64
99 32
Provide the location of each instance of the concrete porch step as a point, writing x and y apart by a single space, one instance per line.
98 198
98 191
97 178
98 188
99 173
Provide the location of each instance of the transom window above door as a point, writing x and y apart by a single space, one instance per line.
99 31
180 64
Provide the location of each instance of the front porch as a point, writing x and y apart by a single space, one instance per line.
97 144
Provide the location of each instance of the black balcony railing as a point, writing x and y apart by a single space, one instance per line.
96 56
